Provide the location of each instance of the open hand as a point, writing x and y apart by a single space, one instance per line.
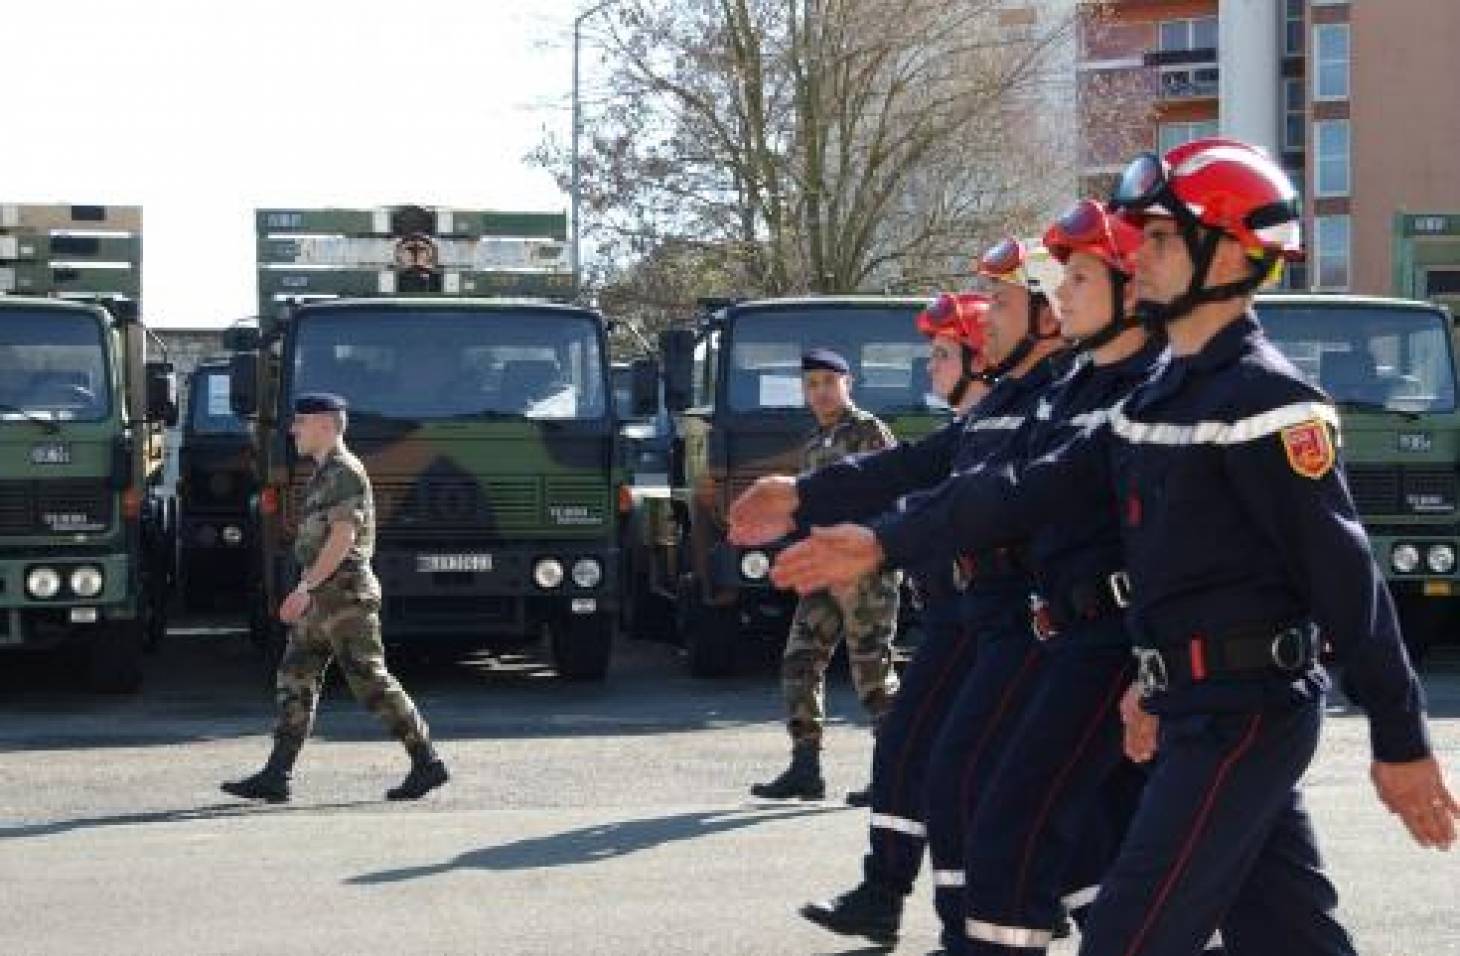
1416 793
764 512
1141 727
831 558
294 606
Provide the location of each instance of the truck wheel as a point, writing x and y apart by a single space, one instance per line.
709 633
114 658
582 646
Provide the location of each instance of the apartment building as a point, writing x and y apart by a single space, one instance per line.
1351 95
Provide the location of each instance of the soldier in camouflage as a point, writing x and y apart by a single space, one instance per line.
865 615
334 613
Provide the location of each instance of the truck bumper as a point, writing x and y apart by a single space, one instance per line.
27 621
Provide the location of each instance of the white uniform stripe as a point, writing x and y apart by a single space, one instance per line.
887 821
1001 423
1222 433
1007 935
949 878
1080 898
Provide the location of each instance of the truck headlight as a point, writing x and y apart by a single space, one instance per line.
587 573
1440 558
232 535
1404 558
547 573
755 565
86 582
43 583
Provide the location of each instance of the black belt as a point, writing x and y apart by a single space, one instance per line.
1241 653
1082 602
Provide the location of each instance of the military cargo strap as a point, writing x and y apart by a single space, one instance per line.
1246 652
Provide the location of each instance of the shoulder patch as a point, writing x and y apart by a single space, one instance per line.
1309 446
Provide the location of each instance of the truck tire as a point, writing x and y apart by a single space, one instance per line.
114 658
708 633
581 646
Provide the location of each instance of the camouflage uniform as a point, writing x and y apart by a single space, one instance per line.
343 620
865 615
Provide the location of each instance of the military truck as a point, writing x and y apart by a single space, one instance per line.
481 410
85 536
733 381
1389 364
214 488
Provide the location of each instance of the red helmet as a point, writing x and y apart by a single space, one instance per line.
959 317
1088 227
1223 184
1017 263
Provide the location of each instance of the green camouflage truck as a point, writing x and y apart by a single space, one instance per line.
733 382
1389 365
485 422
215 487
85 536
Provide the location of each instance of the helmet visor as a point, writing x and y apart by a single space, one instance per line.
1142 183
1083 224
1004 261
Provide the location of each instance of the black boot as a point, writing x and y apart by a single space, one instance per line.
801 779
428 772
860 798
871 911
272 782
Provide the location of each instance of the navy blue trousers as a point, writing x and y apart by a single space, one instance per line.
1222 839
1044 829
930 683
972 737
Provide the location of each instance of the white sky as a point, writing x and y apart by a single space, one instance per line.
201 111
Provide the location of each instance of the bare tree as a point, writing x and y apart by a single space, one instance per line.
818 145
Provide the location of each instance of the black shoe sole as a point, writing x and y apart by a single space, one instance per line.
790 796
825 920
266 798
416 795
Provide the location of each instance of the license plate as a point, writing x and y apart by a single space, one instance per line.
453 563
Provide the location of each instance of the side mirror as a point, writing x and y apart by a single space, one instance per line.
243 383
241 338
644 387
677 347
162 393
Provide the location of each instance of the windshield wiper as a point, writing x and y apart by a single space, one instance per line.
48 424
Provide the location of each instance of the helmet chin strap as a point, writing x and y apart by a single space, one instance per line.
1031 338
966 380
1120 319
1202 244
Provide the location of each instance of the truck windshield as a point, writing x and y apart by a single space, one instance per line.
208 410
431 364
1368 356
887 354
53 365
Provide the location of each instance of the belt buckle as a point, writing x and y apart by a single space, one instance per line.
1289 661
1119 583
1150 671
1041 622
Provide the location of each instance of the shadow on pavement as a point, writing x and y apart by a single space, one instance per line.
215 811
593 844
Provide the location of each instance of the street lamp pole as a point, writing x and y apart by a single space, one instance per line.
577 177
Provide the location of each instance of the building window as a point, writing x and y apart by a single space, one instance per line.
1172 135
1332 246
1331 158
1292 27
1197 34
1295 117
1295 176
1331 58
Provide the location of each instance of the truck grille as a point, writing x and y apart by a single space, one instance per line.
456 504
56 506
1389 490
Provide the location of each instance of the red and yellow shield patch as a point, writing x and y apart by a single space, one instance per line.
1310 448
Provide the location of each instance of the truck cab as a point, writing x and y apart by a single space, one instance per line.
733 381
1389 366
214 490
86 537
485 422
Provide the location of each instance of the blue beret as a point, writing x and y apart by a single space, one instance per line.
312 403
824 359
